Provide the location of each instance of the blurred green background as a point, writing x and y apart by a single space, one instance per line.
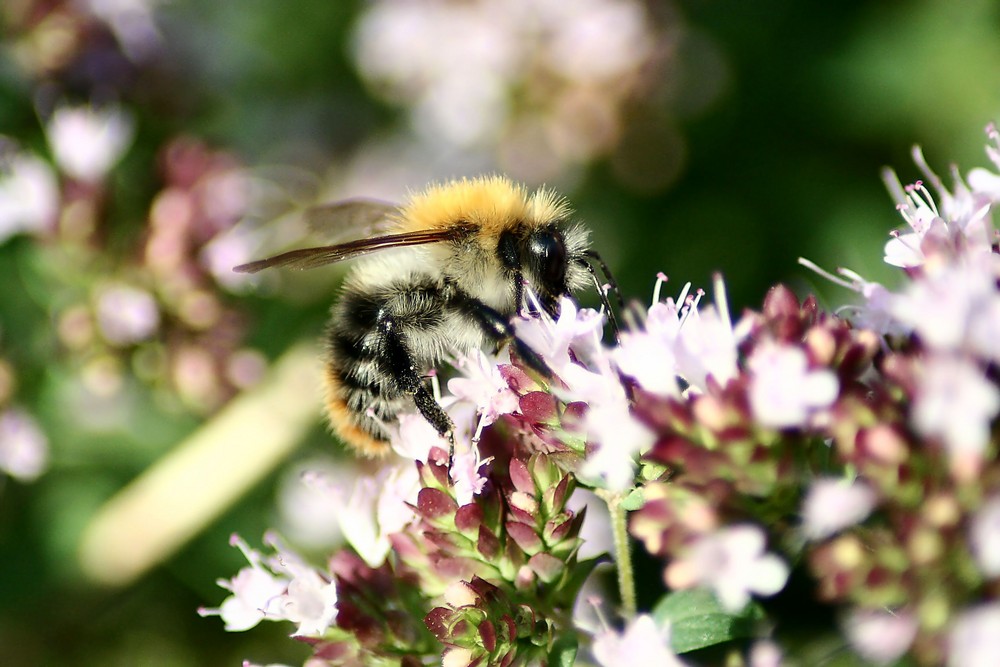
692 137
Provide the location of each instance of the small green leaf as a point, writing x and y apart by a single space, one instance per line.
696 620
563 653
634 500
650 471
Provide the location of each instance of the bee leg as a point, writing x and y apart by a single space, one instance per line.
499 330
400 365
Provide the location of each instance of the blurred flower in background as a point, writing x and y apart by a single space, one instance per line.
537 90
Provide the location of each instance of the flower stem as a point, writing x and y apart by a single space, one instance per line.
623 555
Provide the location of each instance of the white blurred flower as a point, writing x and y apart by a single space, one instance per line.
537 85
732 562
132 23
784 392
376 507
619 439
126 314
309 501
87 142
955 306
834 504
642 643
29 194
956 402
984 537
880 636
974 640
24 449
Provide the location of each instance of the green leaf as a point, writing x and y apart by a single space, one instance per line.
696 620
563 653
634 500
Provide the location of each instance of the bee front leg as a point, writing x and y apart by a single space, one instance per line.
498 330
399 363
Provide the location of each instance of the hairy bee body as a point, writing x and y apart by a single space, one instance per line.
450 274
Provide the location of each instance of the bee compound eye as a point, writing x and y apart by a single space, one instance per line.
548 255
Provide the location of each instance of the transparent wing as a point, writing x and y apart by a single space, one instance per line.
310 258
351 218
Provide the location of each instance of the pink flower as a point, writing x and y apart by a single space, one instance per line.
642 643
731 561
784 392
834 504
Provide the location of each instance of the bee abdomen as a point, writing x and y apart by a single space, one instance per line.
359 413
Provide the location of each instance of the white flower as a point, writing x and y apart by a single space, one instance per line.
87 142
310 601
24 449
642 643
880 636
29 194
956 402
255 593
875 314
650 361
984 537
974 640
485 387
834 504
731 561
465 475
784 393
707 342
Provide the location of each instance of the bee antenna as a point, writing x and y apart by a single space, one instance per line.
603 289
608 277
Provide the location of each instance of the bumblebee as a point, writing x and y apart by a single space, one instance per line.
444 273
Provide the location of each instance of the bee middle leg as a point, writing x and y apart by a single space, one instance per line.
400 364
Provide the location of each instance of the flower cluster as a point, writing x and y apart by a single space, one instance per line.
534 89
854 450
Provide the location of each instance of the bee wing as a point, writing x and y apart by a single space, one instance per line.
310 258
351 218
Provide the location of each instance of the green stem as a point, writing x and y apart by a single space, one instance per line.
623 555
